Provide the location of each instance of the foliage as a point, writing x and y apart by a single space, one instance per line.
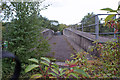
23 33
54 25
52 70
105 66
87 22
45 22
62 26
111 21
108 62
87 17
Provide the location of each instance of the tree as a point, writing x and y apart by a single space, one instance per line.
23 32
62 26
54 25
87 22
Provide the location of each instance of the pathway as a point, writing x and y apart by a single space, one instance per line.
60 48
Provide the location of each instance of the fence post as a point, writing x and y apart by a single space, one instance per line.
114 34
119 30
114 28
82 27
97 26
0 50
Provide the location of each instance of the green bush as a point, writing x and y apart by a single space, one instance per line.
52 70
23 35
105 66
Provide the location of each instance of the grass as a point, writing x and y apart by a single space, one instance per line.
54 43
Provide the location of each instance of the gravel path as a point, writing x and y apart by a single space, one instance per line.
60 48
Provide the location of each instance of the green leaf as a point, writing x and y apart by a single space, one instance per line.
55 66
43 62
52 59
36 76
109 17
72 55
33 60
62 73
73 74
62 69
46 68
107 9
81 72
54 70
91 49
46 59
52 77
53 74
30 67
113 11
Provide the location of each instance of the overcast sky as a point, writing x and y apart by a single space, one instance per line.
72 11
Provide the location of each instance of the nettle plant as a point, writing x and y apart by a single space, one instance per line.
48 69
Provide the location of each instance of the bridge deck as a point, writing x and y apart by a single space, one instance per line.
60 48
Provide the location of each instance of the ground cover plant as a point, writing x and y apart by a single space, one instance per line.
108 63
48 69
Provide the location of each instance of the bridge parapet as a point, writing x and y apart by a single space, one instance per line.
47 33
82 39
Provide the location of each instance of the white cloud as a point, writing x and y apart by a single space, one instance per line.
72 11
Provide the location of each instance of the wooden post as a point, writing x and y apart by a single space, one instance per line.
97 26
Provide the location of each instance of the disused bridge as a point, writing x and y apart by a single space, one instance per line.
62 46
72 39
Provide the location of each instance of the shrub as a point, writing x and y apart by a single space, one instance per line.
52 70
23 34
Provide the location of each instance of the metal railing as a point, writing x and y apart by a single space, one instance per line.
97 24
